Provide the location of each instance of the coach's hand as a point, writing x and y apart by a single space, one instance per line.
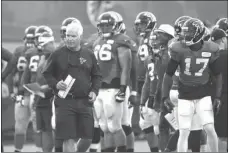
92 96
216 105
61 85
168 105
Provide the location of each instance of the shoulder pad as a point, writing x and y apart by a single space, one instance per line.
20 49
176 46
124 40
31 51
211 46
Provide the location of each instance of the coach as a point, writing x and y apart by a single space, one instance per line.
219 36
74 117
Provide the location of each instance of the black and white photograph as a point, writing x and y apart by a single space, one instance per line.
114 76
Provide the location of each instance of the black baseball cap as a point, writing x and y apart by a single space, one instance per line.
217 34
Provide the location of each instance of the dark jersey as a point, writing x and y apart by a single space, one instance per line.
22 64
155 69
194 66
143 52
195 69
106 52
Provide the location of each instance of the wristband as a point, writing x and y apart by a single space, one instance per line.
134 93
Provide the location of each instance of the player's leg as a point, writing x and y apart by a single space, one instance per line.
37 134
126 125
96 134
164 129
147 127
113 112
185 115
102 145
47 134
221 124
204 109
22 116
172 143
107 143
58 142
203 141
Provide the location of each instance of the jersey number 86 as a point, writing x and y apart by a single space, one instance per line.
103 52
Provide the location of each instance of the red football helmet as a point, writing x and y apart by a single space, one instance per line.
121 28
145 22
179 23
222 24
107 24
192 31
29 38
44 35
64 25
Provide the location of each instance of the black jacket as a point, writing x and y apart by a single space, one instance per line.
81 65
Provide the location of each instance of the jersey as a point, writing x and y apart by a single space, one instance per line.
106 52
21 65
194 66
143 52
155 69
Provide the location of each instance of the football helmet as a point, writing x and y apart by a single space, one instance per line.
179 23
121 28
29 38
192 31
222 24
64 25
160 38
107 24
44 35
145 22
207 34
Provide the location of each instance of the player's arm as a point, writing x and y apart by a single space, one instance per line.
134 71
10 58
145 90
215 67
125 61
96 76
167 80
25 79
49 71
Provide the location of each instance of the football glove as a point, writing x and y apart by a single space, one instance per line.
168 105
120 96
216 105
133 99
18 99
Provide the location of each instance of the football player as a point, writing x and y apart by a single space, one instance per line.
10 58
196 59
43 104
219 36
128 109
222 24
114 57
21 111
155 65
33 56
144 25
194 138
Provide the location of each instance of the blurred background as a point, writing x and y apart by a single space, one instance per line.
17 15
